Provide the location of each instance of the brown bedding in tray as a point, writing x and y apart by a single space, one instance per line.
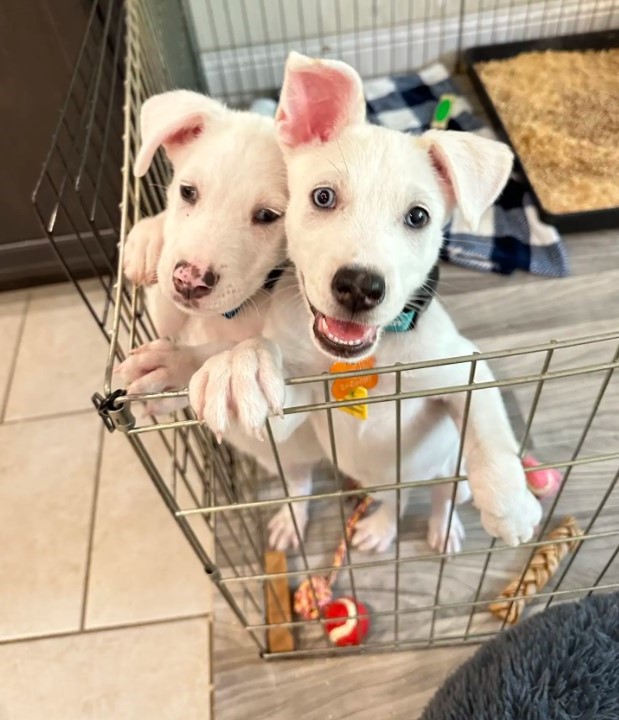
561 111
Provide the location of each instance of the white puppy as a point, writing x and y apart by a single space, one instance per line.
215 255
364 227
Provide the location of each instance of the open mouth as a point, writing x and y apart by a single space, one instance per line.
342 338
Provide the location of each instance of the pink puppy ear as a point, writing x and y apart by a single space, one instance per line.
318 99
473 169
173 120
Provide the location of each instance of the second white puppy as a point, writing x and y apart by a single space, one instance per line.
216 255
364 226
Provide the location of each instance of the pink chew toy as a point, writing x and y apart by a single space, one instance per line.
542 483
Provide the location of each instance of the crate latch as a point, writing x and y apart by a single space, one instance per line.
115 415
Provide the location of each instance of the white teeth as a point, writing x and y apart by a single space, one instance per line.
324 328
339 341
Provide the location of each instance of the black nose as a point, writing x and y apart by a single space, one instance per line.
358 289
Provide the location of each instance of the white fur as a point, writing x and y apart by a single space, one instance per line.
378 175
233 160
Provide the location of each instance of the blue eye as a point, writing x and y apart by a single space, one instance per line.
324 198
417 217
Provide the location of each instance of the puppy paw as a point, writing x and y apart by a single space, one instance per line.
519 524
508 508
282 532
377 531
244 384
142 250
156 367
439 539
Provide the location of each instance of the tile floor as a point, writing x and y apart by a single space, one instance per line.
104 612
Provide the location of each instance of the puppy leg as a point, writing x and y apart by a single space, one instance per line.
444 536
282 531
377 531
508 508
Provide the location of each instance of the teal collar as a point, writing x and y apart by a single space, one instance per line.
408 318
268 285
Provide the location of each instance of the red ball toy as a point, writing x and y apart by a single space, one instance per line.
347 622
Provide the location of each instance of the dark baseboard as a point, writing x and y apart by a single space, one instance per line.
29 263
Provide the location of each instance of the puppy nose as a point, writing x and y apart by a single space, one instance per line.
190 281
358 289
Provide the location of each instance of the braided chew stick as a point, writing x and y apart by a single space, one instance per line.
543 566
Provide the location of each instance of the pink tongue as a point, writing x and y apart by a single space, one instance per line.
347 330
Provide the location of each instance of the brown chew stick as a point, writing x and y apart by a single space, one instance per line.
278 610
543 566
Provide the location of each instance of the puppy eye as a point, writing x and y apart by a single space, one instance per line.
265 216
189 194
417 217
324 197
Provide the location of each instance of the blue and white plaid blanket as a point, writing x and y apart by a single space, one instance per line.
511 235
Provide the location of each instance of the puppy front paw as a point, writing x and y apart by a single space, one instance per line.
282 532
377 531
508 508
519 524
244 384
156 367
142 250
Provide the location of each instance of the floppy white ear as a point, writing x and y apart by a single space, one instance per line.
473 168
318 99
173 119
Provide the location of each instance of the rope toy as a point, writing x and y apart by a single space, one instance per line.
544 564
307 602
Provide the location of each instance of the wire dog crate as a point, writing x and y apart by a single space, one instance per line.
562 396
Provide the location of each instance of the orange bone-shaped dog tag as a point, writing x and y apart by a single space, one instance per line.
354 387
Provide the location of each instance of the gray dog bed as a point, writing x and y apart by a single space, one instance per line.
562 664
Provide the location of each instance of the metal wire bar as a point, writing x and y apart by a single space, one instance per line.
430 557
445 607
597 583
97 83
301 15
253 63
265 30
217 48
67 160
393 486
230 28
465 420
413 394
108 122
409 35
398 502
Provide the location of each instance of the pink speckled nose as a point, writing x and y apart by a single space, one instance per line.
192 282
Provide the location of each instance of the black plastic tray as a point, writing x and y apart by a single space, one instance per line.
567 222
